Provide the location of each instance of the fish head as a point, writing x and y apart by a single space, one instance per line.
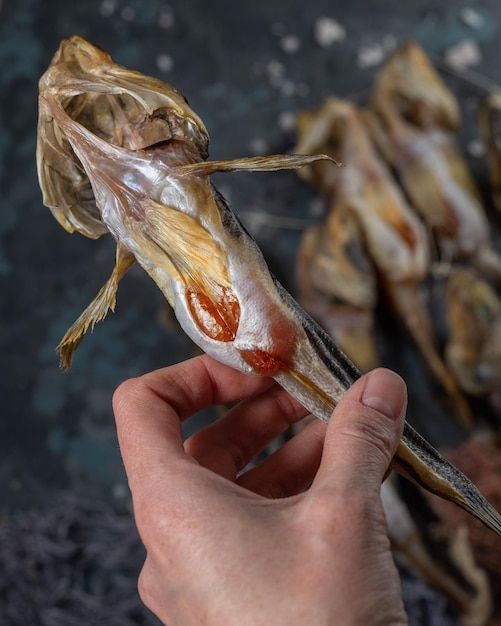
409 83
122 107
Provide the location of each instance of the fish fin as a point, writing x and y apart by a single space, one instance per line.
197 258
269 163
418 461
97 309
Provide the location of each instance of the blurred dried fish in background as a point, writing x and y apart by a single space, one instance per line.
394 237
473 349
401 158
415 118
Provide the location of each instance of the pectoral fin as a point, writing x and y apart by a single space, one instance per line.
269 163
97 309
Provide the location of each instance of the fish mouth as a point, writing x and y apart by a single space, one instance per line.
98 93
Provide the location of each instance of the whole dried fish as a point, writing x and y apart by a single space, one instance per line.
414 115
155 197
473 349
337 284
394 237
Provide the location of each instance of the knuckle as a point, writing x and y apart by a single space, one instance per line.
375 438
128 389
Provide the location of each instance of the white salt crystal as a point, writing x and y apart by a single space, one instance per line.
328 31
287 121
258 145
476 148
464 54
290 44
471 17
370 55
164 62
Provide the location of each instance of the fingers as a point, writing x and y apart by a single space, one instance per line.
363 434
290 469
149 411
230 443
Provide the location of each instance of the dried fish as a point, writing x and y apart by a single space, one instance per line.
473 349
446 562
160 206
416 91
414 115
337 284
394 237
489 122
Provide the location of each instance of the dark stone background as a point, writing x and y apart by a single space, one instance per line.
246 68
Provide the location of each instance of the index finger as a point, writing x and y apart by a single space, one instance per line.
149 410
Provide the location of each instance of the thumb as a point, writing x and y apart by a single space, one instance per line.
363 434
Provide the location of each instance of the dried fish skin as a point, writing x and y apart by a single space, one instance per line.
163 211
489 123
409 83
394 237
121 106
473 349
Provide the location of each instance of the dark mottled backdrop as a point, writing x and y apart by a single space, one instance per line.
246 68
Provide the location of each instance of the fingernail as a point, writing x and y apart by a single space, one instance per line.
385 392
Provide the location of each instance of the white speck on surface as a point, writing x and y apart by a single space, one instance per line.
119 491
317 207
475 148
128 13
464 54
275 69
370 55
164 62
290 44
108 7
166 17
328 31
258 146
287 121
373 53
471 17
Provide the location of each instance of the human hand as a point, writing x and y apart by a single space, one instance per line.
225 547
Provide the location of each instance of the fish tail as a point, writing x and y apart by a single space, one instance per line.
419 461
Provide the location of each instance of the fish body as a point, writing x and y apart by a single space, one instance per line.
394 237
413 123
158 203
473 348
